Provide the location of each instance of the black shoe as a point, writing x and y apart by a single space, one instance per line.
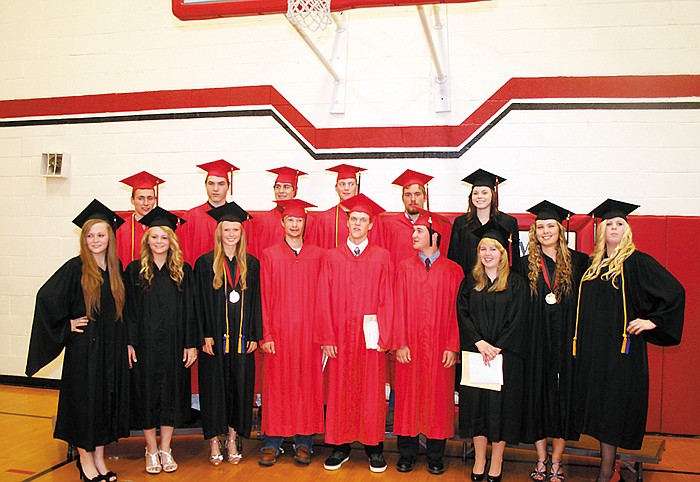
377 464
336 459
436 467
493 478
405 464
477 477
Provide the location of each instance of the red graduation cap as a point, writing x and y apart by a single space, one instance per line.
220 168
346 171
362 204
294 207
287 175
409 177
143 180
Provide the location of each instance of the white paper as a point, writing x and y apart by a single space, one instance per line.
371 329
481 373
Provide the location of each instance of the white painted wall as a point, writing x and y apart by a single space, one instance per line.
575 158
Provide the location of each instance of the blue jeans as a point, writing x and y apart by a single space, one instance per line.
275 442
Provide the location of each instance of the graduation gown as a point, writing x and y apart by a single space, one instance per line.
328 229
549 364
350 287
498 318
293 377
197 234
226 379
396 230
463 242
425 320
612 388
264 230
129 238
161 323
93 403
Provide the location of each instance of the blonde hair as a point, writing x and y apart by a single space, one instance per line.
479 274
219 255
564 273
174 258
613 262
91 277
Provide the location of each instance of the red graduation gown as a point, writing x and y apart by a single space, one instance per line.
396 230
425 320
264 230
129 237
197 234
350 287
293 381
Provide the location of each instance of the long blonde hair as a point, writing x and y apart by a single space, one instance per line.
174 258
220 255
613 262
479 275
564 274
91 277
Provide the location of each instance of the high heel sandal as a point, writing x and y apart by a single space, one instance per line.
233 456
167 460
538 474
110 476
556 475
153 462
215 460
82 475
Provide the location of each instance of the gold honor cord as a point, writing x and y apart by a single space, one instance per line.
133 220
337 208
239 347
226 336
578 305
240 327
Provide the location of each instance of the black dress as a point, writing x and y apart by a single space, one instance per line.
612 388
463 242
226 380
498 318
161 324
93 403
549 364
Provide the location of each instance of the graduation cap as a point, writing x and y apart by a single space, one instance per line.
287 175
294 207
97 210
613 209
481 177
362 204
143 180
346 171
425 218
495 230
409 177
160 217
549 210
229 212
220 168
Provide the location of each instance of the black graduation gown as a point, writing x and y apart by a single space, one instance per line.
226 381
93 403
498 318
612 388
161 324
463 242
549 364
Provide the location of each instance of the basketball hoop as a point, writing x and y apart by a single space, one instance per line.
310 14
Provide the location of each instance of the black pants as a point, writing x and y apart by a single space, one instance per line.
369 449
408 447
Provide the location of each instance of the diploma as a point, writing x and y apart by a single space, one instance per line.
371 330
476 374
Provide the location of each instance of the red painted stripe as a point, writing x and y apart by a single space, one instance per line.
625 87
18 471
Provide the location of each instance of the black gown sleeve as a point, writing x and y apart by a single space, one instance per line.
255 331
133 302
512 332
204 311
468 331
192 332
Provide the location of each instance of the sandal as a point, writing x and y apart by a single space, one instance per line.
215 459
540 474
167 460
556 475
153 462
233 456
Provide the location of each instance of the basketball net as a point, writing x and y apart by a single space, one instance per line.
310 14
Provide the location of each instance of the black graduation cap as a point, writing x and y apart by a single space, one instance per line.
229 212
613 209
549 210
97 210
484 178
160 217
494 230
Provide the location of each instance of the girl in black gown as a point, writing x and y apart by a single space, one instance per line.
80 309
230 313
163 338
626 300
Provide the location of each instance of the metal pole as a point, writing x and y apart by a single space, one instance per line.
319 55
431 45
